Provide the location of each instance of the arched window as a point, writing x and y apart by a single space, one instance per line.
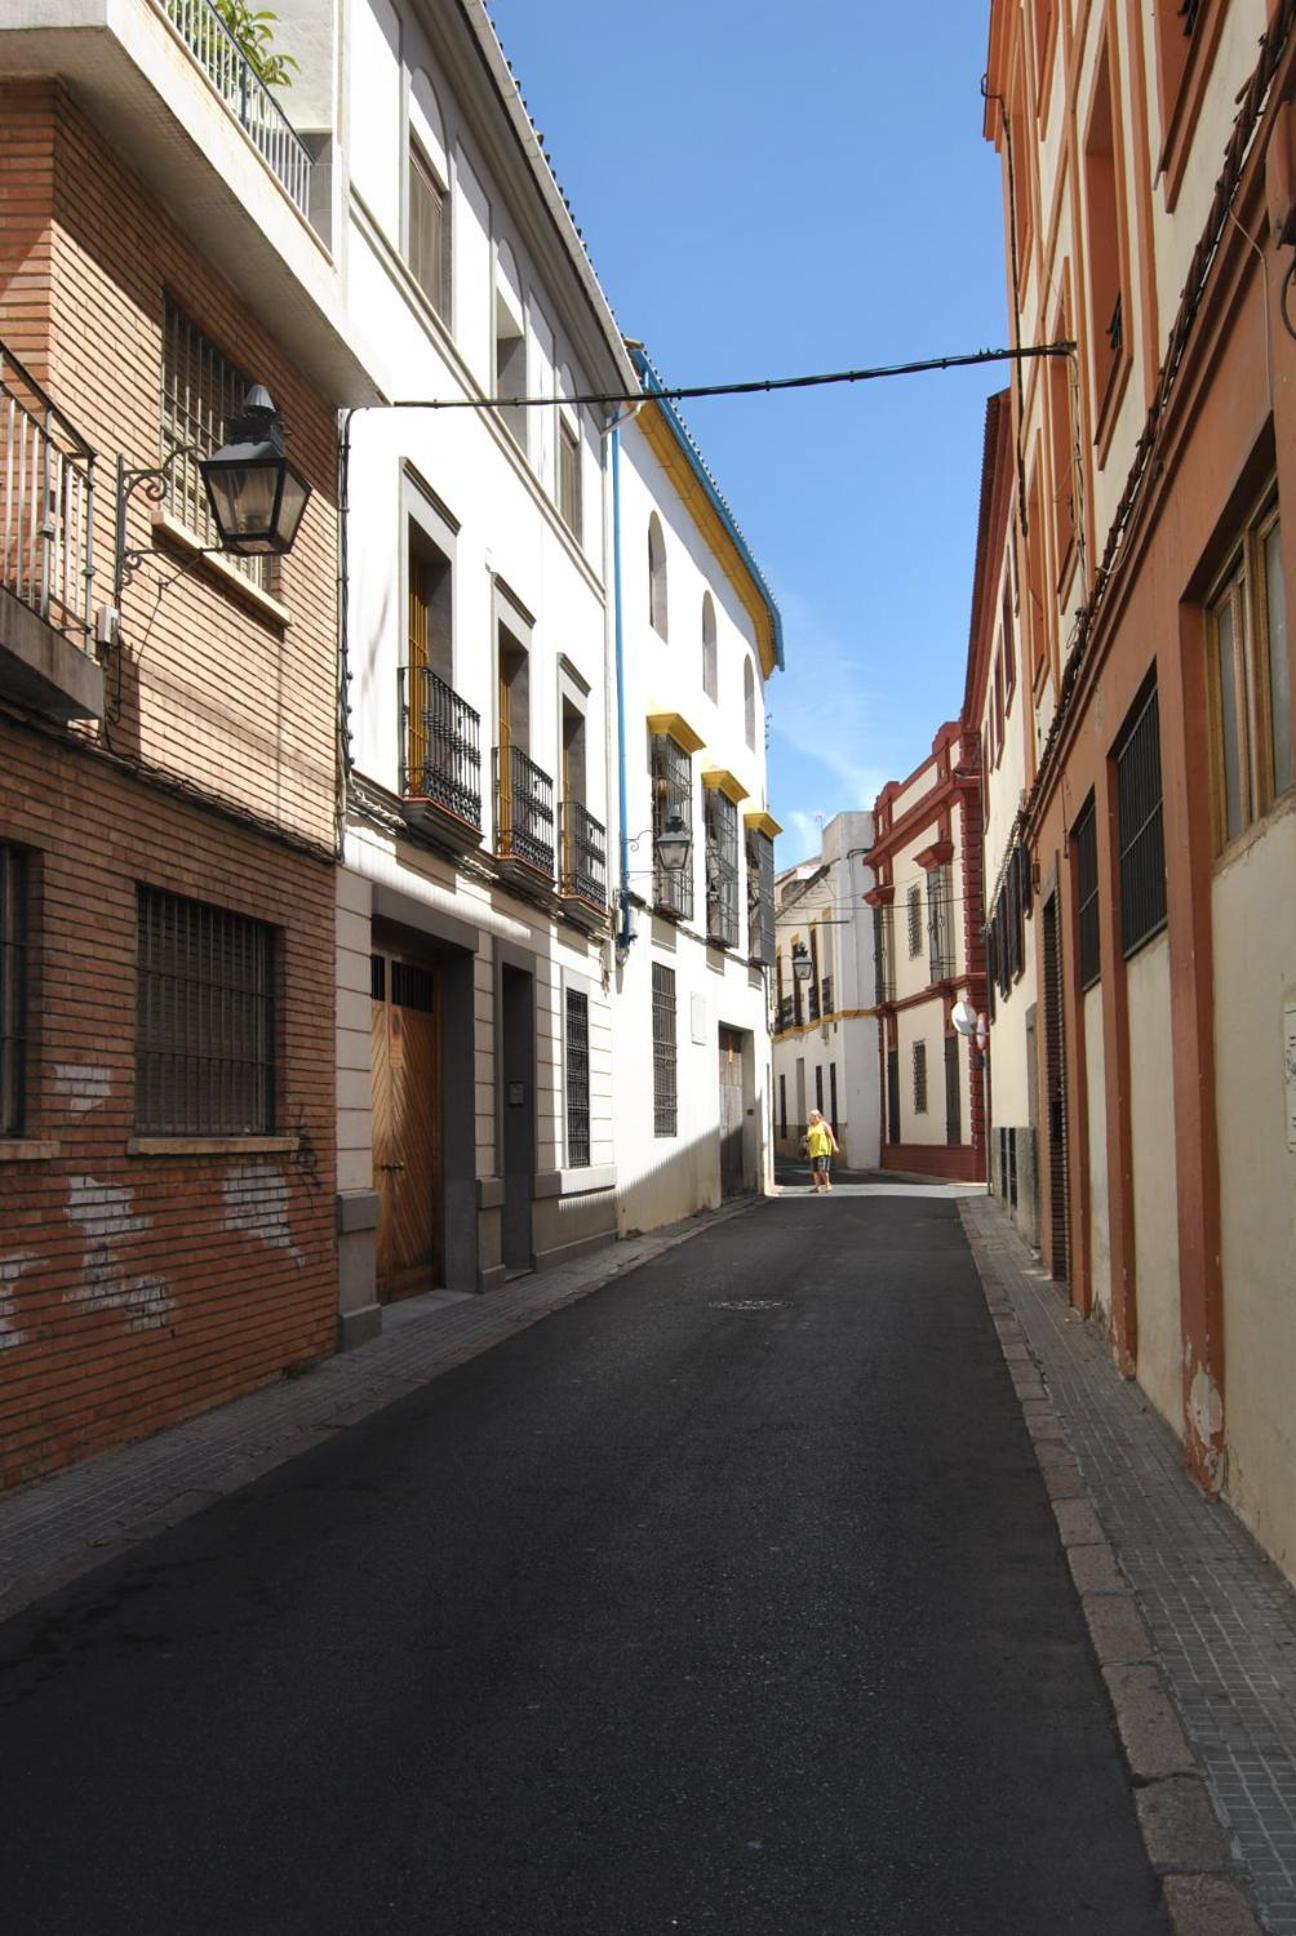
657 577
749 703
710 677
428 250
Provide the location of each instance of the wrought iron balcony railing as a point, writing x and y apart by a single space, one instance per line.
786 1016
46 506
584 855
826 995
443 736
245 94
526 810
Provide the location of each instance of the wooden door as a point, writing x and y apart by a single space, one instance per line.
406 1060
731 1113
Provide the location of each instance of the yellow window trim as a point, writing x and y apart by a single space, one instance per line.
763 823
675 726
719 780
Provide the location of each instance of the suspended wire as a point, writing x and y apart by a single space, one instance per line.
758 386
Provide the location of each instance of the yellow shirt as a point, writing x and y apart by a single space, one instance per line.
818 1140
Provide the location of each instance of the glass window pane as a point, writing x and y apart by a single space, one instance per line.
1226 692
1279 661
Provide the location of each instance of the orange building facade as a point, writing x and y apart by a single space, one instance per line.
1131 675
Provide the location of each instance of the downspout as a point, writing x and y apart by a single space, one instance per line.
623 930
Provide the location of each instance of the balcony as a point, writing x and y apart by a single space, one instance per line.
785 1017
584 864
245 94
46 554
525 821
441 781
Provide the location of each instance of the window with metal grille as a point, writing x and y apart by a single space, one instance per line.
665 1092
429 239
812 986
1141 835
915 921
760 899
205 1042
722 868
569 479
893 1095
202 393
782 1105
819 1099
672 782
884 954
13 990
832 1094
1085 844
920 1078
577 1061
940 922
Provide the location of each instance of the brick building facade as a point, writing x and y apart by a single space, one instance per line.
167 827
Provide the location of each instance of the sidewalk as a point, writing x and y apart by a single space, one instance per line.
58 1528
1222 1620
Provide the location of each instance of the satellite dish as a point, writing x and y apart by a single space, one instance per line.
964 1018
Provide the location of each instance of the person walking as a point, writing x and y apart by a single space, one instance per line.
821 1145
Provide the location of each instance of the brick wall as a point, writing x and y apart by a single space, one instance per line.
135 1291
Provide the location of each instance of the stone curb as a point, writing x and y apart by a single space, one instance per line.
347 1388
1185 1841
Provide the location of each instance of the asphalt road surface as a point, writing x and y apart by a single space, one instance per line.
727 1601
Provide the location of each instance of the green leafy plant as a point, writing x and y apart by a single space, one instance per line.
253 31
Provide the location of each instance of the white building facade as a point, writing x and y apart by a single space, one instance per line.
699 635
826 1040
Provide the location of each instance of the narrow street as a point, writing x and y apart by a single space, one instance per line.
728 1600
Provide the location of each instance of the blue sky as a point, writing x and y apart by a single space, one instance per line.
767 190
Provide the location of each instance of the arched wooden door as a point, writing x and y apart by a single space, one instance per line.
406 1063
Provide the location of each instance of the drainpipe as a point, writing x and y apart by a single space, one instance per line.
623 932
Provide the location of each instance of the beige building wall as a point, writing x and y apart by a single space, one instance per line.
1156 1225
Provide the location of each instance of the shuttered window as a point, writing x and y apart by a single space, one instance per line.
429 253
569 480
205 1043
577 1068
1142 838
665 1092
915 921
1085 839
13 990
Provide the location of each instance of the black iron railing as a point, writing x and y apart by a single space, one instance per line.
526 810
46 505
786 1014
246 96
584 854
442 736
826 995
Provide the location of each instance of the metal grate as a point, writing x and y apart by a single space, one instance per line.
1085 837
826 996
201 395
672 779
722 868
940 923
832 1095
884 954
786 1013
584 851
204 1059
13 991
1142 837
245 95
443 734
526 811
915 921
578 1080
665 1089
413 986
760 898
920 1078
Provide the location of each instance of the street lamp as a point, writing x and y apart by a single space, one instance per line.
257 497
802 966
673 844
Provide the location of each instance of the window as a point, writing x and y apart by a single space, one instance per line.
760 899
1249 682
883 954
710 672
672 784
665 1103
782 1105
202 394
1085 839
832 1095
1036 617
1010 657
1142 840
812 986
429 255
569 479
819 1095
953 1098
1045 15
578 1079
13 990
657 578
1062 433
749 703
721 868
998 705
915 922
893 1095
205 1046
1108 322
920 1078
940 922
510 344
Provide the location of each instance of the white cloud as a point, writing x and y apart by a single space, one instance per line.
823 708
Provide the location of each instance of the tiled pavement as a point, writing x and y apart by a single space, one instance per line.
1222 1619
60 1527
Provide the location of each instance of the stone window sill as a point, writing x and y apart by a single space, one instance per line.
27 1149
179 535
